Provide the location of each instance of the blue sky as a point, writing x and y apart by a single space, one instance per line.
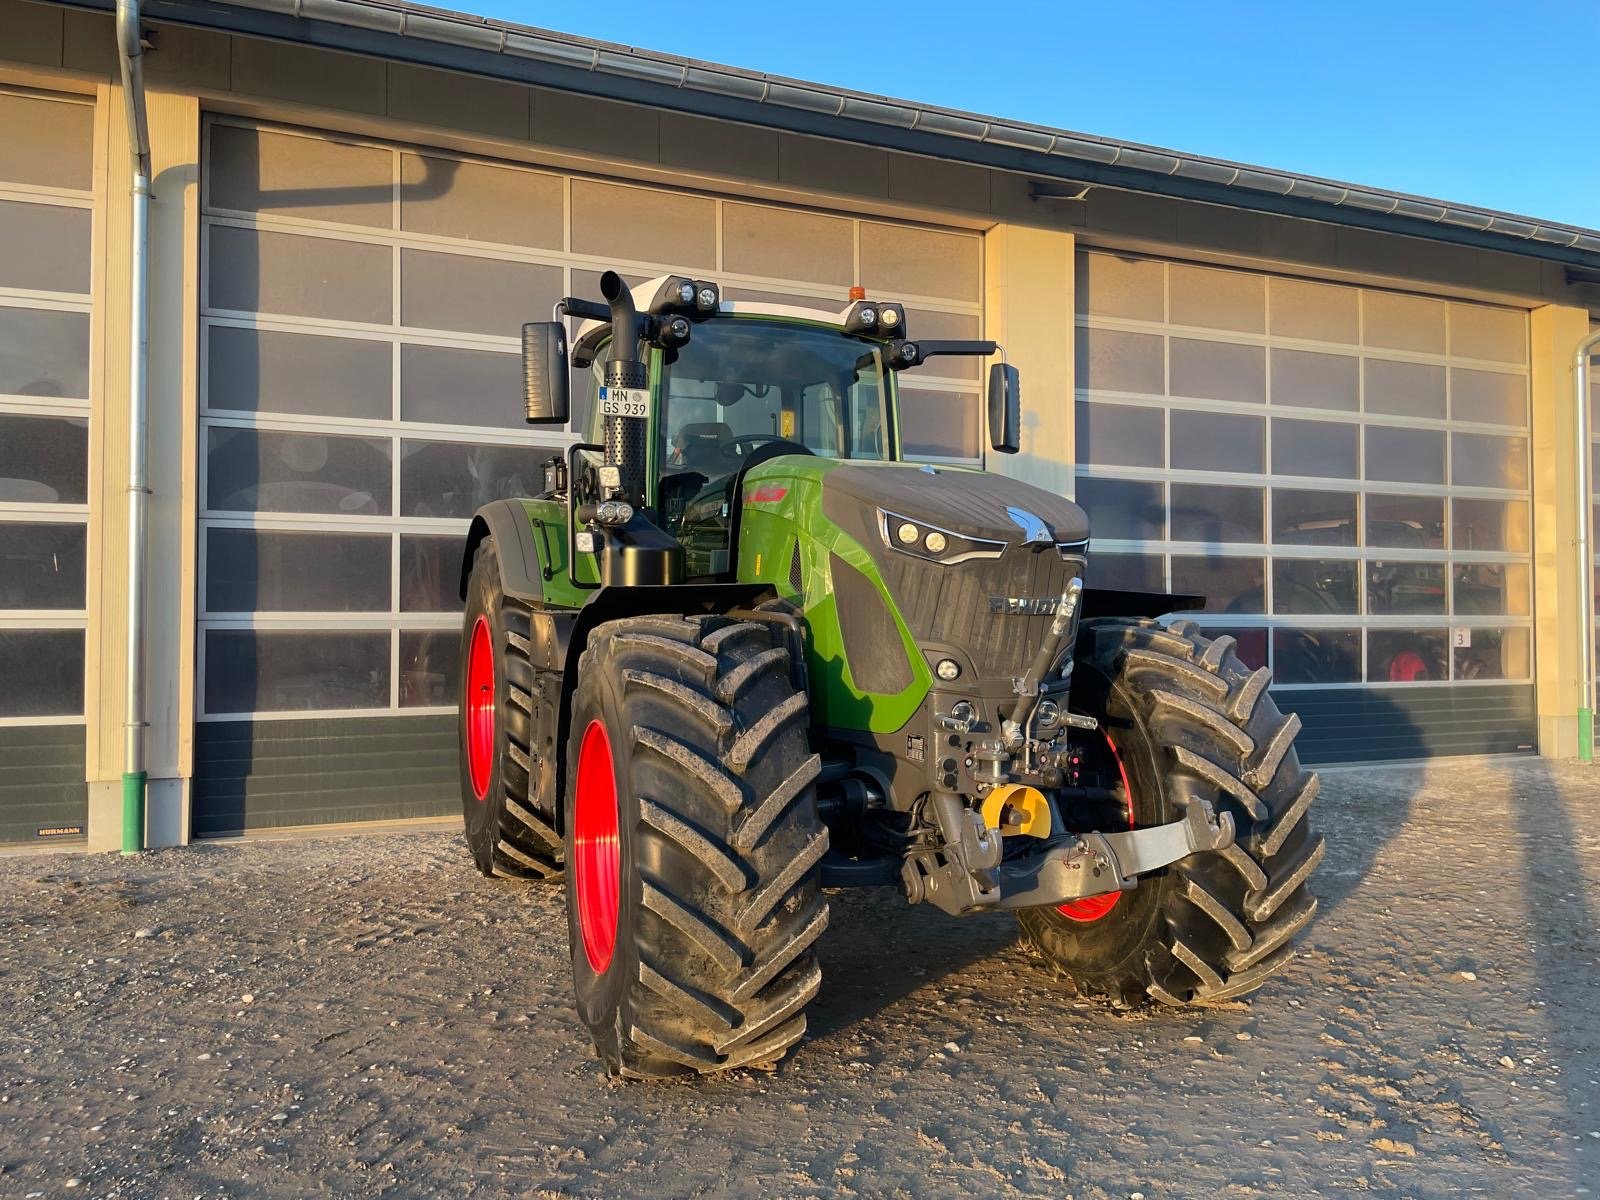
1413 96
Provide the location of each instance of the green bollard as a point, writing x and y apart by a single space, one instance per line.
133 812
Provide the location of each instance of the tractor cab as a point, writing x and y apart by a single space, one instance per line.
730 385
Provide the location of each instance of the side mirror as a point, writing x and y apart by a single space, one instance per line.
546 394
1005 408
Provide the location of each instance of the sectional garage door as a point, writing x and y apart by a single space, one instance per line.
47 213
360 400
1343 472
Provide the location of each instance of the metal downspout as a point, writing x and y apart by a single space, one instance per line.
133 764
1586 704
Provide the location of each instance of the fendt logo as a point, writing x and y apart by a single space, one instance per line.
1025 606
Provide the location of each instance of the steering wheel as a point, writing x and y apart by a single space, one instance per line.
731 448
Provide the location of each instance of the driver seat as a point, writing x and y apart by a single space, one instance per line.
702 448
702 461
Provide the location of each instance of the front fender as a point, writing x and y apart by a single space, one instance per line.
522 569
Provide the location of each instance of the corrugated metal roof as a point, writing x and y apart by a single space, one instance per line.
465 42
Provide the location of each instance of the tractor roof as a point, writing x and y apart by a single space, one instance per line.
644 293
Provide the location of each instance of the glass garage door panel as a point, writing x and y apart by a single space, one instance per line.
360 383
47 216
46 226
1342 471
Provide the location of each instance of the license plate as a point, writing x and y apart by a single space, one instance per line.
625 402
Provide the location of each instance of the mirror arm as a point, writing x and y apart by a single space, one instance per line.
571 306
930 349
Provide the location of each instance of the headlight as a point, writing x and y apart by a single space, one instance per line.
948 669
889 318
686 292
908 536
707 299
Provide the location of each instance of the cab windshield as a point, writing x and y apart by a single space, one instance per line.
740 384
745 387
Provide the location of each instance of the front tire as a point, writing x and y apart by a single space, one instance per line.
693 900
1189 723
510 828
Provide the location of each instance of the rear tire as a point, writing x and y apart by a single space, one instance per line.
1191 723
693 900
510 832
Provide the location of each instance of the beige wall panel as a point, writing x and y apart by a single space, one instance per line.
1429 263
1130 214
182 55
1028 306
317 78
938 184
108 501
923 262
33 33
786 244
828 166
1554 333
283 174
597 126
455 101
635 223
446 197
174 121
718 147
89 43
1011 199
1210 226
1287 240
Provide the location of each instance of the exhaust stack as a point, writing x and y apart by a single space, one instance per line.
626 380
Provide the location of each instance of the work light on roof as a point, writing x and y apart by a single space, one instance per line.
692 297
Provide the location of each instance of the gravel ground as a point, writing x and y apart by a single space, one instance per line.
368 1017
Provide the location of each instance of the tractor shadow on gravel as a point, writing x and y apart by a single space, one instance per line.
1563 926
1359 822
870 965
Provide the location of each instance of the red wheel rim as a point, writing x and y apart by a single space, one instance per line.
1407 667
1092 908
479 706
597 850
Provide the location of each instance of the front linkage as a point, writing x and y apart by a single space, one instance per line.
966 870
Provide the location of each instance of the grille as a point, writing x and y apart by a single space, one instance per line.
951 604
796 578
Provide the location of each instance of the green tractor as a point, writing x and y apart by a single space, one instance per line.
739 652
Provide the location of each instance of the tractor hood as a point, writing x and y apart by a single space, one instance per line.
885 600
974 504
